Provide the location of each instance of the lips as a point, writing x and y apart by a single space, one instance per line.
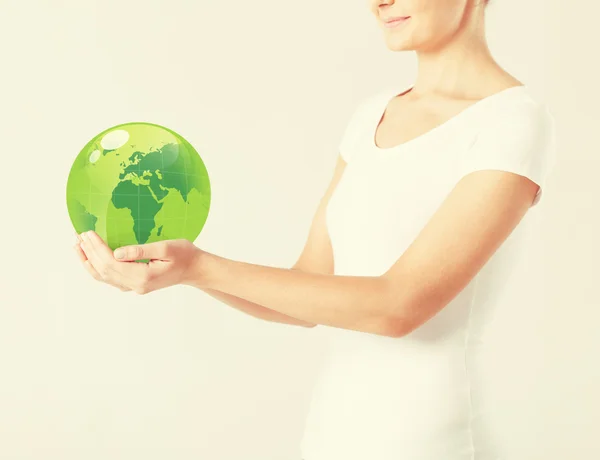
395 19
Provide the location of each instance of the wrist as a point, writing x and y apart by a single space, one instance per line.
195 275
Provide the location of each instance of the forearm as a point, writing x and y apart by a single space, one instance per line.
253 309
362 303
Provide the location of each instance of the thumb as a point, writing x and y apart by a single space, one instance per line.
156 250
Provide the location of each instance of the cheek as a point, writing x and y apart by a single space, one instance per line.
372 5
435 27
438 18
448 17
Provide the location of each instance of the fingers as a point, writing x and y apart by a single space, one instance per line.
108 265
78 249
153 251
132 273
97 252
88 265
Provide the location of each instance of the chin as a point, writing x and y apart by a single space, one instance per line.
400 45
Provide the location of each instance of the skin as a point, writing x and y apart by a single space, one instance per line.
455 69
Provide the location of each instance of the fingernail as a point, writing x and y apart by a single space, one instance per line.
119 253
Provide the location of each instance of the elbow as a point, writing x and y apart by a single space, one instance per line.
400 313
411 316
396 327
393 325
402 318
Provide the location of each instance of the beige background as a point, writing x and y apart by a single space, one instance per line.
88 372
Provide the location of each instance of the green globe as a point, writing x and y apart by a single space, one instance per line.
137 183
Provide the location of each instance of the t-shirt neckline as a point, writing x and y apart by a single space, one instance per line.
416 140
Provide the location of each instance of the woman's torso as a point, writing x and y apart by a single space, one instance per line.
424 396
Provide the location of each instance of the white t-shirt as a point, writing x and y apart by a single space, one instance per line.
424 396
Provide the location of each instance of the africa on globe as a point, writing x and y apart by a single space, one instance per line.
137 183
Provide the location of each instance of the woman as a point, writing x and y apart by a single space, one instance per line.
421 218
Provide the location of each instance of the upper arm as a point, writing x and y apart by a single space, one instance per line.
502 178
317 254
461 236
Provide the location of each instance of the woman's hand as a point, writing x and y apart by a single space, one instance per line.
171 262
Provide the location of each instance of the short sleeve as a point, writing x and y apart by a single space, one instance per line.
520 139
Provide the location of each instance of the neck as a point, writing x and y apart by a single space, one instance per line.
460 65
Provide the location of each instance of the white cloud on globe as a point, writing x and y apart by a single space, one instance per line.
114 139
94 156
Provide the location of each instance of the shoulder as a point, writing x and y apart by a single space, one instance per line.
362 111
520 113
365 104
374 99
515 133
363 115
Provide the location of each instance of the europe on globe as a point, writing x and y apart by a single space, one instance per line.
137 183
